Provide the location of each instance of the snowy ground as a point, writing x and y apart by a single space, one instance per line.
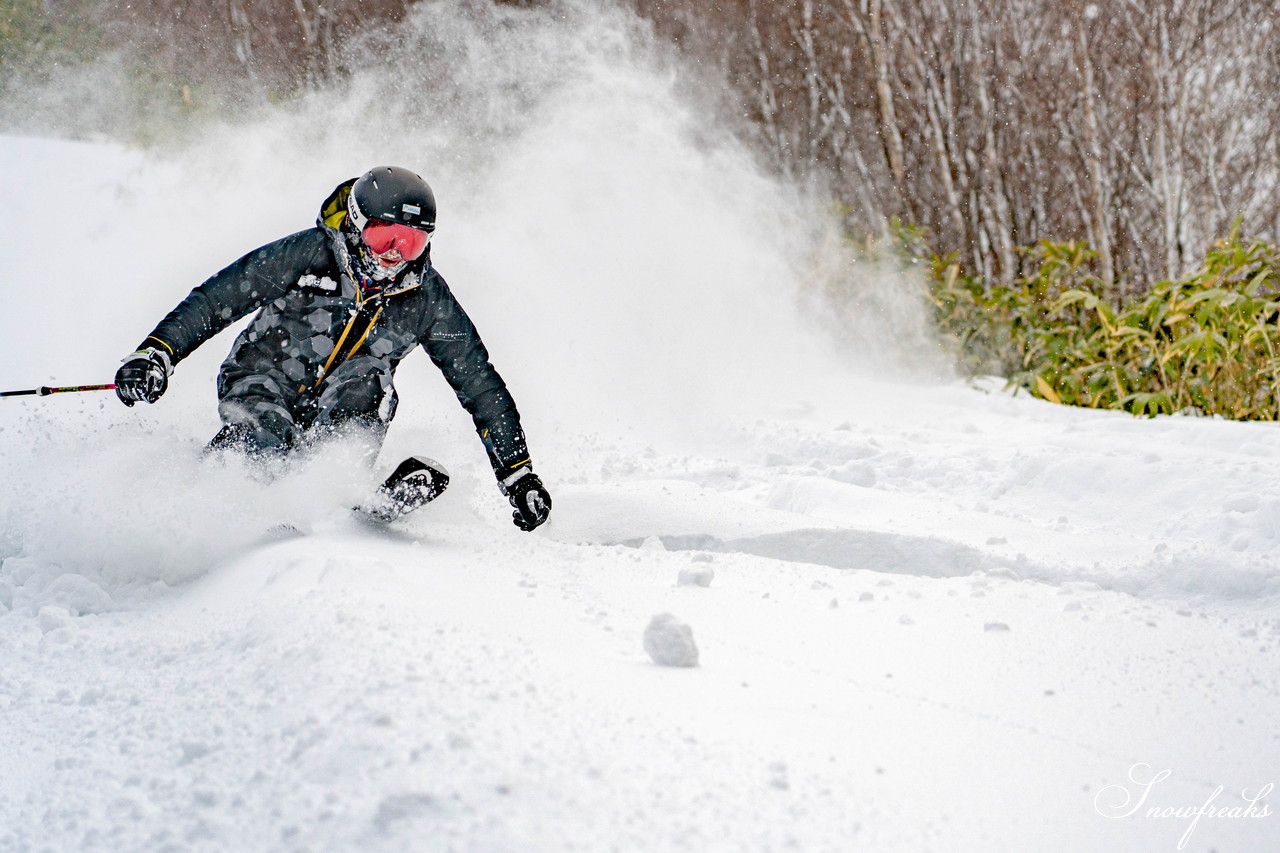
937 616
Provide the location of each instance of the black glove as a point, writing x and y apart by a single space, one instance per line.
529 497
143 376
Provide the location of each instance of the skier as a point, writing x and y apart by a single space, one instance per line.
339 305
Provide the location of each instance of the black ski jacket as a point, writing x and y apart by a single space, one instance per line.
304 288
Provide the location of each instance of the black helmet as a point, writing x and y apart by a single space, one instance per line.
392 194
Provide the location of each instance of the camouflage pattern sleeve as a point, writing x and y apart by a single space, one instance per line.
252 281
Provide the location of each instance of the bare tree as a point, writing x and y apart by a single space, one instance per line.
1143 126
281 46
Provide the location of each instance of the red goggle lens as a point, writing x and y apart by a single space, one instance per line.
381 237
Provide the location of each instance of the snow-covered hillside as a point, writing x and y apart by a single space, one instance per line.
930 615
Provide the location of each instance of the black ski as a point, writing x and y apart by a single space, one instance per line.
415 482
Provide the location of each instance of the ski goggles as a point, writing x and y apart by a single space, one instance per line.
382 236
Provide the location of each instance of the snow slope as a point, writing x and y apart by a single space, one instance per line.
936 616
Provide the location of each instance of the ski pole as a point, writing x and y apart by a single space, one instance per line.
45 390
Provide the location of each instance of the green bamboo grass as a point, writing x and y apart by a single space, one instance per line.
1205 344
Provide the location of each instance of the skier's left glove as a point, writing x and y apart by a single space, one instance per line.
529 497
144 375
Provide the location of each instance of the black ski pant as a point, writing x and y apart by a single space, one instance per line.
267 413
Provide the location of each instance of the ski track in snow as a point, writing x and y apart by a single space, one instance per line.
929 615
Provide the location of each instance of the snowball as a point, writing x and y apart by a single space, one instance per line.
854 473
53 618
669 642
402 807
778 777
1242 503
701 575
78 595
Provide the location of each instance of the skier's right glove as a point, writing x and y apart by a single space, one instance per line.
144 375
529 497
